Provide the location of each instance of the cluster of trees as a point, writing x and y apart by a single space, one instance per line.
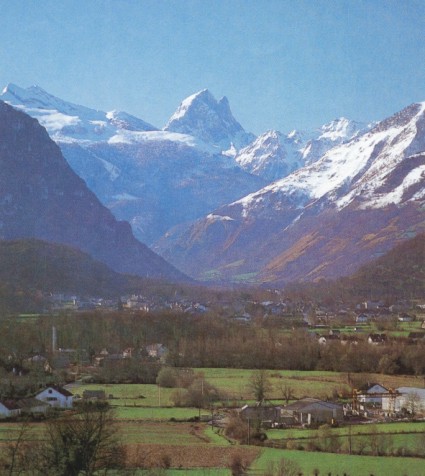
199 341
191 389
135 370
299 351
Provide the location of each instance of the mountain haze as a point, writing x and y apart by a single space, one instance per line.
151 178
37 265
41 197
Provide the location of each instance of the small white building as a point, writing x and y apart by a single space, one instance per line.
57 397
408 399
9 408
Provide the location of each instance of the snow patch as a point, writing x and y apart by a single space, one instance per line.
212 218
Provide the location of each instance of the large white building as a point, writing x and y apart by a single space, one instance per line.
408 399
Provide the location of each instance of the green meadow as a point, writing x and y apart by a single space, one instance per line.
338 464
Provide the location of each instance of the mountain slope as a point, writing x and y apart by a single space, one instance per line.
68 121
152 179
323 220
40 197
37 265
400 272
397 275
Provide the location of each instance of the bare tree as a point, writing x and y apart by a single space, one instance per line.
83 444
260 385
286 391
413 404
237 465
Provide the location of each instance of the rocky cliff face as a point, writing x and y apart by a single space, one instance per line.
41 197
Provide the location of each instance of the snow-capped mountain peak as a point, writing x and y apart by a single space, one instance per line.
340 128
354 169
37 97
203 96
269 157
202 116
330 135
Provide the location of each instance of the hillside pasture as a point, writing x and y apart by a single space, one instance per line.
319 384
234 386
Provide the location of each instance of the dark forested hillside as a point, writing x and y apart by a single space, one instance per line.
35 264
32 267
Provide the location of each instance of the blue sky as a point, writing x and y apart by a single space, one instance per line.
283 64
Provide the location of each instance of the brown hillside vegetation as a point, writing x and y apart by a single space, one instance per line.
398 274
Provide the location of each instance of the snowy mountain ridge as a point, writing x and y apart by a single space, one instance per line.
321 220
274 155
65 120
349 165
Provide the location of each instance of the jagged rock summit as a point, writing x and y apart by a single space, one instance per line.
202 116
41 197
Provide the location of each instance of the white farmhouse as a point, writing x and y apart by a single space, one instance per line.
57 397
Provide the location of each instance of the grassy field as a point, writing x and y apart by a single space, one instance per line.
128 394
319 384
152 430
385 439
363 429
335 464
234 383
158 414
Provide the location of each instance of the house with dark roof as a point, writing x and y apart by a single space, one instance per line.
260 413
308 411
33 406
57 397
9 408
